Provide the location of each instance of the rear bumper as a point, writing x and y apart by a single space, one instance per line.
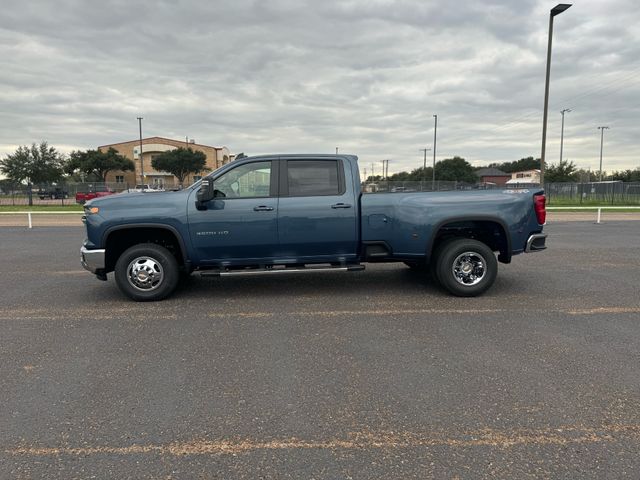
92 260
536 243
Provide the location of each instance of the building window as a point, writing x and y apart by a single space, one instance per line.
119 178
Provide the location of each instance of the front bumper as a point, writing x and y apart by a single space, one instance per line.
536 242
92 260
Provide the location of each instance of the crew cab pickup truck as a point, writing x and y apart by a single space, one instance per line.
305 213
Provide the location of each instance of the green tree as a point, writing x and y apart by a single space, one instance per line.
36 164
626 175
564 171
180 162
528 163
586 176
98 163
455 169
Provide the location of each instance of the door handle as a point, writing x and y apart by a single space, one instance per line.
341 205
262 208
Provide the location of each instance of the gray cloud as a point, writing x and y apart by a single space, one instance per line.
285 76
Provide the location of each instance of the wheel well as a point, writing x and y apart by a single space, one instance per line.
488 232
120 240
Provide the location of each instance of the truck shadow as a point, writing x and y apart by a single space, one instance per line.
383 280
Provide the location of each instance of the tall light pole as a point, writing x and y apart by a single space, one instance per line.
435 131
141 164
557 10
602 129
562 112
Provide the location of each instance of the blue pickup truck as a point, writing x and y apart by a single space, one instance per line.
305 213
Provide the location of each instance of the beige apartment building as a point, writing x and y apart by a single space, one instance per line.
153 146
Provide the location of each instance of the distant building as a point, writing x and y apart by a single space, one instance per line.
154 146
528 176
493 175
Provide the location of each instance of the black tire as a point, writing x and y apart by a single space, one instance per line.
465 267
157 277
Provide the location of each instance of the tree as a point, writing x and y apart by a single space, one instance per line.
586 176
35 164
98 163
524 164
180 162
455 169
626 175
564 171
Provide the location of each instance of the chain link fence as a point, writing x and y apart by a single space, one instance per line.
594 193
54 194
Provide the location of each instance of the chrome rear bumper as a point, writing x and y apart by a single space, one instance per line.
536 242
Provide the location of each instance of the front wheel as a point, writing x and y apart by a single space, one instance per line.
466 267
147 272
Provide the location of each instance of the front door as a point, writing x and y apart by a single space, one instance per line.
240 223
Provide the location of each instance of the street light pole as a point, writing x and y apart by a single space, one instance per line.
558 9
602 129
562 112
141 164
435 131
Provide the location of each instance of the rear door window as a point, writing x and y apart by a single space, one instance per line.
313 178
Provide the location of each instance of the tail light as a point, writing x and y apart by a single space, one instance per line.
539 202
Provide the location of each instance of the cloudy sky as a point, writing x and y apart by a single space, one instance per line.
295 76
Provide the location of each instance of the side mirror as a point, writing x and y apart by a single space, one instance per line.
204 194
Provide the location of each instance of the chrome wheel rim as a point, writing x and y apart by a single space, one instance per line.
145 274
469 268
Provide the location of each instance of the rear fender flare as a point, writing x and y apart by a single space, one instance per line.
481 218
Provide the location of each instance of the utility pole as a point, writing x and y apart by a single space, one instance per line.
385 169
562 112
424 166
373 171
141 164
435 131
602 129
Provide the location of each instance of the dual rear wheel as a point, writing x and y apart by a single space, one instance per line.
465 267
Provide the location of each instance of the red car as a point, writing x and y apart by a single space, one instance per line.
92 192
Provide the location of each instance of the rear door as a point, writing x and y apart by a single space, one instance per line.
317 213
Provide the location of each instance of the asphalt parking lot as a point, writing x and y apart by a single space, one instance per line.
375 374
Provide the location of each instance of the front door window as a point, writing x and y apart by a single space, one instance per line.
246 181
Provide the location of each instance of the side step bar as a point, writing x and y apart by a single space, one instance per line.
269 271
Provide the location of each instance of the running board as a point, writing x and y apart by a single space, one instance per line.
269 271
